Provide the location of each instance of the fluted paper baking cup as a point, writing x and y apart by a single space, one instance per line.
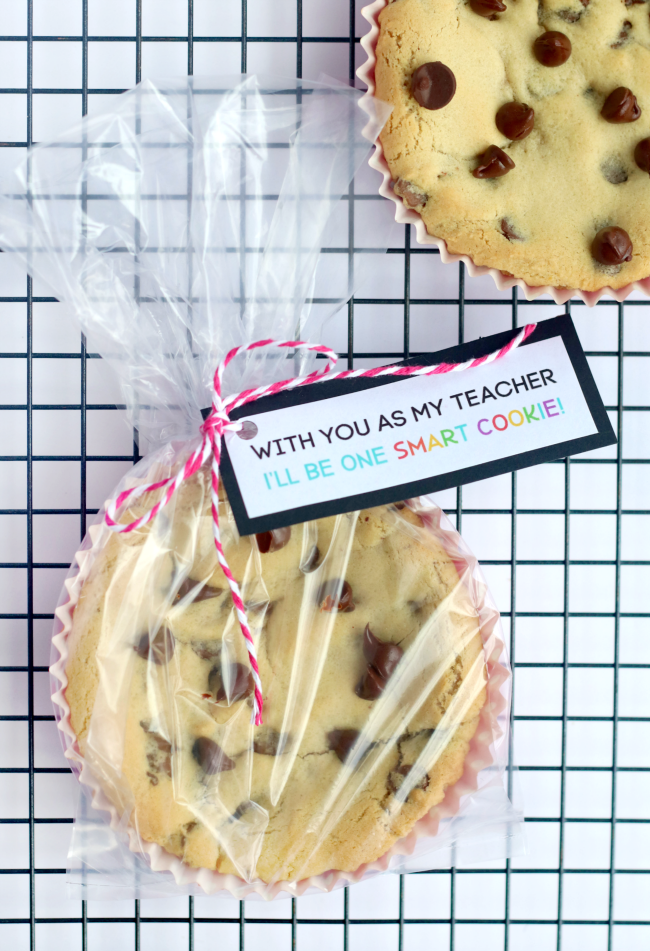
480 755
406 216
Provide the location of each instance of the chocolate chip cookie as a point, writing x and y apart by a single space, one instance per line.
520 132
373 672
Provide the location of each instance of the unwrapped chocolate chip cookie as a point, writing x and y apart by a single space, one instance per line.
373 666
520 133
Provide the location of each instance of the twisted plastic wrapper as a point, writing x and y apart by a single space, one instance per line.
162 227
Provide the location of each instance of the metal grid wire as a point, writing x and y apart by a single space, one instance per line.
564 547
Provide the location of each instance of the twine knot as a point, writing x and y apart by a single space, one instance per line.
217 421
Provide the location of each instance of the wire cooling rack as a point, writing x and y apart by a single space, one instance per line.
564 547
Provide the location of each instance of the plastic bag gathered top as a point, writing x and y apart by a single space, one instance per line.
384 672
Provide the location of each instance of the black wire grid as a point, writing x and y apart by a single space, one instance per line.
400 906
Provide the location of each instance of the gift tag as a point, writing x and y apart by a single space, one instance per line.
344 445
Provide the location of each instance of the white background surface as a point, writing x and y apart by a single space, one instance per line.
564 697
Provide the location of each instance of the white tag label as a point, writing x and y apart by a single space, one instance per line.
410 430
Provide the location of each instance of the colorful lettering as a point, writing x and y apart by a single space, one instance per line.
418 445
325 464
399 449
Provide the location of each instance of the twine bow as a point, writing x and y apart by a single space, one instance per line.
219 422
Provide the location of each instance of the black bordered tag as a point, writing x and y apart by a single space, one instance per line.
289 469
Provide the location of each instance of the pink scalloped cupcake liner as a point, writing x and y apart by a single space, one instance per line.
406 216
481 753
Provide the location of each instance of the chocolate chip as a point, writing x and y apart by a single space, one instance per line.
311 561
614 172
206 650
621 106
410 194
242 809
494 163
508 231
371 685
159 754
210 757
382 655
260 607
488 8
160 650
642 155
162 744
202 593
270 743
248 430
232 685
552 48
159 740
342 741
433 85
612 246
515 120
335 595
571 16
185 587
272 541
623 36
160 764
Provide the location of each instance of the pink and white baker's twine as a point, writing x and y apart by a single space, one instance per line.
219 422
